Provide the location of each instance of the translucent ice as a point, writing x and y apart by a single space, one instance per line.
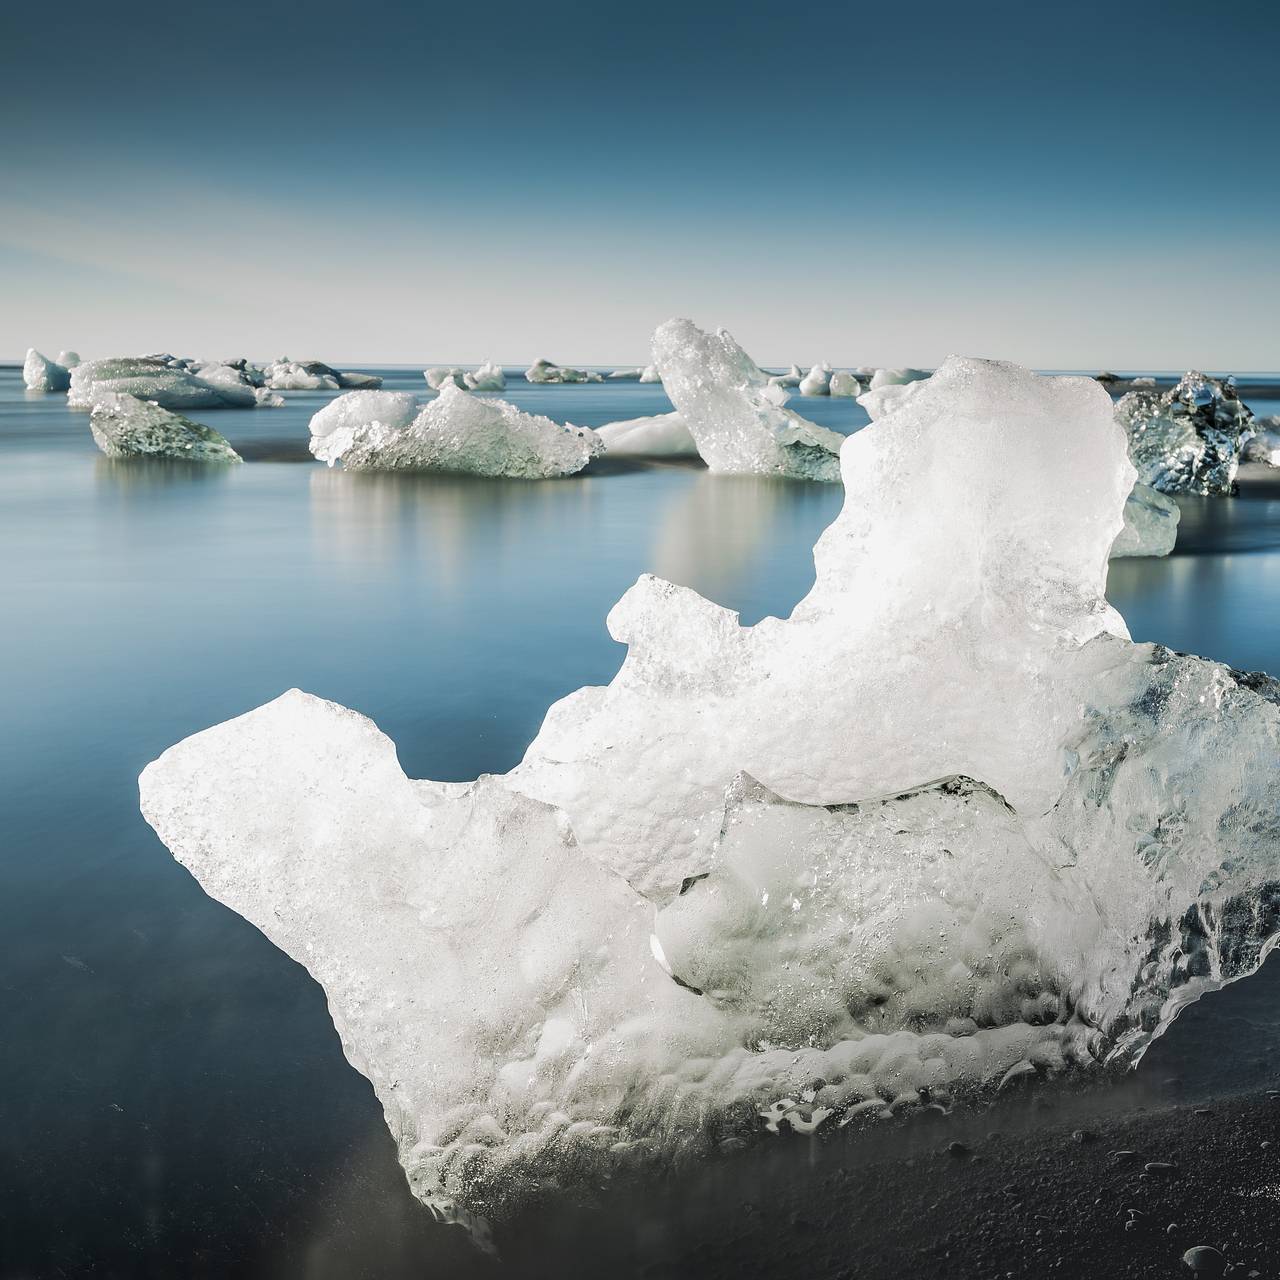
1265 445
733 412
944 822
289 375
440 374
382 431
488 377
663 435
817 382
1150 524
545 371
792 378
42 374
844 383
126 427
1188 440
162 379
895 377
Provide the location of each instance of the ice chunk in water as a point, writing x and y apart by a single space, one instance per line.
488 377
545 371
1265 445
792 378
944 820
289 375
817 382
843 383
1188 440
646 374
157 378
382 431
732 411
437 376
125 427
665 435
42 374
895 378
68 359
1150 524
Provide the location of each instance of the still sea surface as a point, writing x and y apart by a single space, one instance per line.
173 1098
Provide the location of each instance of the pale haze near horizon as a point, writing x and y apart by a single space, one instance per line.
994 184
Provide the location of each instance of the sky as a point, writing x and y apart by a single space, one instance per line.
1080 186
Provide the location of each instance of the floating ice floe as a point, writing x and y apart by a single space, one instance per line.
733 412
488 377
943 826
315 375
455 375
1150 524
665 435
1265 445
545 371
1189 439
385 431
843 383
646 374
125 427
162 379
895 378
42 374
817 382
792 378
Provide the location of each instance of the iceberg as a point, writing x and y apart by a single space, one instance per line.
1264 447
1150 524
125 427
817 382
895 378
488 377
545 371
734 414
453 374
665 435
68 359
162 379
288 375
1189 439
945 824
384 431
625 375
792 378
42 374
843 383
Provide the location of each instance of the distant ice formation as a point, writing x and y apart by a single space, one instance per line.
1265 445
455 375
42 374
125 427
315 375
665 435
384 431
545 371
68 359
488 377
1150 524
1189 439
943 826
733 412
817 382
895 378
792 378
163 379
843 383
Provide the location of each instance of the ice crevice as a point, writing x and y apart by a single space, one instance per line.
945 824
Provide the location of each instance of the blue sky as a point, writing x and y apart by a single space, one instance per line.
1066 186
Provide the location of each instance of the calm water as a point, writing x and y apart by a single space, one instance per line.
173 1099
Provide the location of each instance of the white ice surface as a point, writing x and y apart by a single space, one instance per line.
664 435
944 823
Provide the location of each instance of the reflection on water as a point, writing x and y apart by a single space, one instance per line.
172 1087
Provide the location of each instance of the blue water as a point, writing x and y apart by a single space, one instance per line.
173 1099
